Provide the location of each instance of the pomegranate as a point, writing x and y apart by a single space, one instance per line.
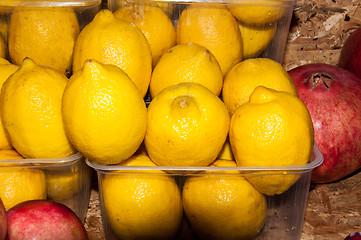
3 221
333 98
350 57
354 236
44 219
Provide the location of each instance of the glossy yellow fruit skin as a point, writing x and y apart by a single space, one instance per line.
258 12
19 184
224 206
255 38
45 34
104 114
187 62
142 204
226 152
213 27
155 25
30 107
243 78
273 129
110 40
6 70
187 126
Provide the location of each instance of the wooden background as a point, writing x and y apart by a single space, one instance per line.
317 33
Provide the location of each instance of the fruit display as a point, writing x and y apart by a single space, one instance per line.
44 219
187 118
331 95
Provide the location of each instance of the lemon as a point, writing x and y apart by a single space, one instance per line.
6 70
111 40
167 7
142 204
273 128
187 126
30 107
45 34
258 12
256 39
187 62
19 184
61 185
213 27
243 78
155 25
104 114
226 152
223 206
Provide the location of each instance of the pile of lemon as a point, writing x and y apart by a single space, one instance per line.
212 104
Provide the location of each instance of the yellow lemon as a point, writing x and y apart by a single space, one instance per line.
273 128
9 154
30 107
167 7
187 62
223 206
45 34
243 78
6 70
256 39
187 126
259 12
19 184
61 185
154 23
104 114
226 152
213 27
111 40
142 204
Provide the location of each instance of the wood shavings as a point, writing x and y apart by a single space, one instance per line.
319 29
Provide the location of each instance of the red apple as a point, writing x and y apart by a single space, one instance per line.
350 57
44 219
333 98
3 221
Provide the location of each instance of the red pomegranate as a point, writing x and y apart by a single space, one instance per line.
333 98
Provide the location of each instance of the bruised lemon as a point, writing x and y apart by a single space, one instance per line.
213 27
111 40
273 128
243 78
223 205
45 34
187 126
155 25
104 114
187 62
143 204
30 107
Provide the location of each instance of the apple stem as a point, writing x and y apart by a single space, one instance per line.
317 77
